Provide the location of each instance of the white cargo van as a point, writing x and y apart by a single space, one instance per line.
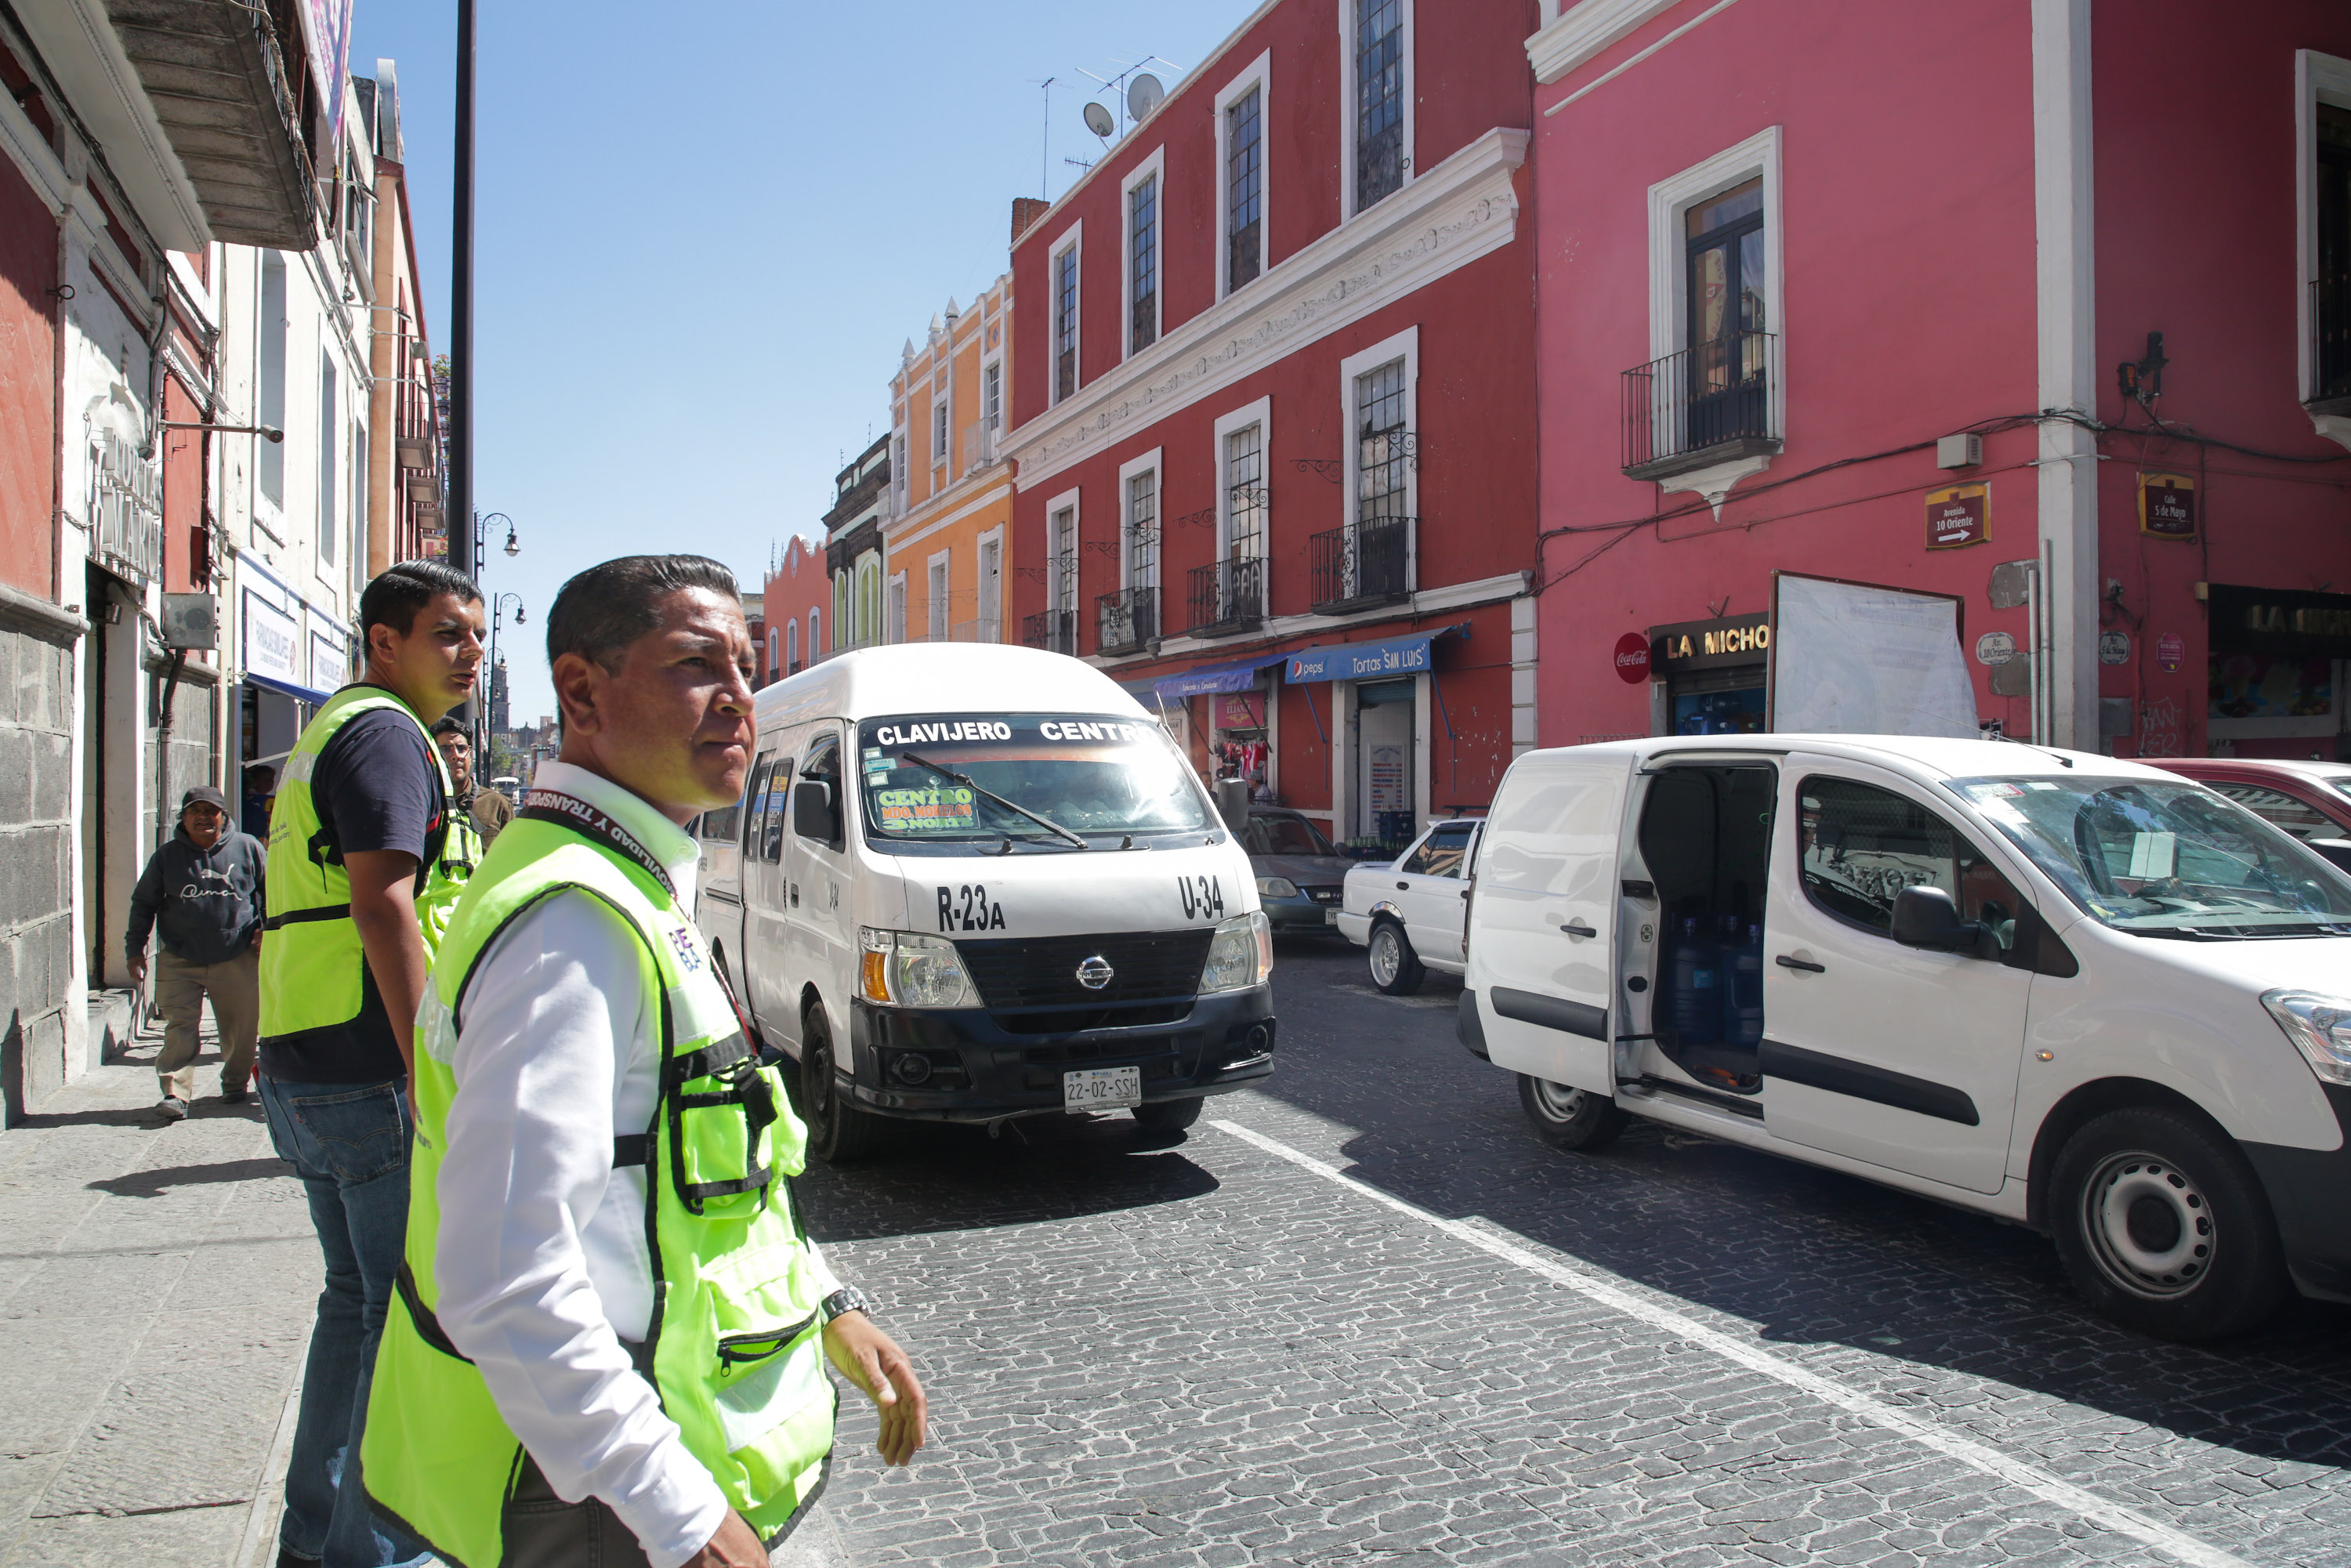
2070 991
970 881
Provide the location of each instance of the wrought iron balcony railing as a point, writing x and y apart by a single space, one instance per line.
2330 344
1226 596
1055 631
1126 621
1708 405
1362 565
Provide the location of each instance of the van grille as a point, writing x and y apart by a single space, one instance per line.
1017 973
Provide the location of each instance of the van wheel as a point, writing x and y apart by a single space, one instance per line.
2163 1225
1169 1115
1569 1118
1396 967
839 1132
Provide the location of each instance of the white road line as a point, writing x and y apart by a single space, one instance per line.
2076 1499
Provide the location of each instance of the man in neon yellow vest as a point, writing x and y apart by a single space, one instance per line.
612 1330
357 893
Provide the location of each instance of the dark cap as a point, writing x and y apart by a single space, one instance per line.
204 795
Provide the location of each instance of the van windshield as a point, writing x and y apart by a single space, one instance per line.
1090 773
2165 859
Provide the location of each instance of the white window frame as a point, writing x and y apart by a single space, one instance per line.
1146 463
1670 201
941 436
1348 108
2317 78
893 608
1151 168
1259 413
1404 346
1073 238
1257 74
792 646
992 362
938 591
816 628
1067 501
992 538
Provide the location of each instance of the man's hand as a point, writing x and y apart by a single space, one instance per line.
737 1545
872 1360
138 969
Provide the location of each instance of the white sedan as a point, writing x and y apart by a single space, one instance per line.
1407 914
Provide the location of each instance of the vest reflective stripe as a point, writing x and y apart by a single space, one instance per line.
736 1339
312 963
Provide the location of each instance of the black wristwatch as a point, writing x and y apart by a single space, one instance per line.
848 1299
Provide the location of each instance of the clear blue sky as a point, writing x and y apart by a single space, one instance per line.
703 231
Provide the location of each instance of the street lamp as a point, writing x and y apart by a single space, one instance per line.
513 546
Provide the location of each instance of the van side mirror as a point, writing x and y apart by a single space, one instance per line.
814 815
1929 917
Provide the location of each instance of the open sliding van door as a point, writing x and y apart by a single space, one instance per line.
1542 956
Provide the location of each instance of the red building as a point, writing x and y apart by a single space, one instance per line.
1276 431
1792 246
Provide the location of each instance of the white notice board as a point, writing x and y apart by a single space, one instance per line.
1857 658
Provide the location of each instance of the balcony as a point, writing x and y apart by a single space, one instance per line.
1700 407
1363 565
1055 631
2330 346
1126 621
1226 596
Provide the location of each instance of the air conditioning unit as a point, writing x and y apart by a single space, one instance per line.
1964 450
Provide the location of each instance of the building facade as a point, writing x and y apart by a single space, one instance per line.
947 540
802 593
1275 410
1799 316
853 557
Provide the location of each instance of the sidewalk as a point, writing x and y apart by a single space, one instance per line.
156 1290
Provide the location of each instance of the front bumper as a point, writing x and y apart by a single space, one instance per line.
1296 916
2306 1189
982 1072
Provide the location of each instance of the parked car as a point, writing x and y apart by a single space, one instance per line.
2082 994
2311 800
1298 872
1406 914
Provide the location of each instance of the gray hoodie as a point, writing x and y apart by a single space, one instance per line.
205 904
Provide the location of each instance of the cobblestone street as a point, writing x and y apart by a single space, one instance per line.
1674 1352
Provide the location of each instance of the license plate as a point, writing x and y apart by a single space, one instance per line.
1330 917
1102 1089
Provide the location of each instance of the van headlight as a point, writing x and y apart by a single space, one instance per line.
1276 887
908 969
1241 954
2320 1026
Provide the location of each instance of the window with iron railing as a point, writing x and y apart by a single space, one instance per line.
1127 620
1226 596
1244 188
1383 447
1143 528
1245 492
2330 312
1713 399
1143 263
1065 323
1379 100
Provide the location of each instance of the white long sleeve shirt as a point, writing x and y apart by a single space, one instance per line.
541 1259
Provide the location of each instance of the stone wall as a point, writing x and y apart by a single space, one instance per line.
37 970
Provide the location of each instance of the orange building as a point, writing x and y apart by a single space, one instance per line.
946 534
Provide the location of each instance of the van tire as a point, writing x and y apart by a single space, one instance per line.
2194 1255
1395 968
1169 1115
839 1132
1573 1119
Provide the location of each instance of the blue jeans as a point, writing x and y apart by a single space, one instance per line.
349 1143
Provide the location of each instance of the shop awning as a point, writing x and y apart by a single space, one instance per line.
300 693
1367 661
1236 675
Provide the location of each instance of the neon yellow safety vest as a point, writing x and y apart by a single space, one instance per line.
736 1346
312 965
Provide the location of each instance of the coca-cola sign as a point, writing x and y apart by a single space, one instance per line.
1632 658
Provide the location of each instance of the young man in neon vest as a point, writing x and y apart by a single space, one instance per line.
613 1328
358 893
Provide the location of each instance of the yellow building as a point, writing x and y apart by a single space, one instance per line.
947 536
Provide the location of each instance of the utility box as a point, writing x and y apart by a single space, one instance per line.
1962 450
191 620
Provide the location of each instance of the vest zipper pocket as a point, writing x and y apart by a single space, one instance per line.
736 1352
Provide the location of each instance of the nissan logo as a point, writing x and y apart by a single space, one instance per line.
1095 973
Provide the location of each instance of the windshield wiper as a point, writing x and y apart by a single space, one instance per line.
965 779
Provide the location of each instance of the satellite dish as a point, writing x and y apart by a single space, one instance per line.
1142 96
1098 119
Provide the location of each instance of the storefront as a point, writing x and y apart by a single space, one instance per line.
1230 720
1382 698
1708 677
2277 665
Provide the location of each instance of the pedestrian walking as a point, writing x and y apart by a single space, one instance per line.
359 898
613 1324
488 810
201 895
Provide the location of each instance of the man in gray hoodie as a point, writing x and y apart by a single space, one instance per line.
203 895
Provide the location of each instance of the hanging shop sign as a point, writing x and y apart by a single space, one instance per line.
272 640
2170 652
1632 658
2114 647
1237 710
2295 624
2167 505
1367 661
1708 644
1958 516
1995 648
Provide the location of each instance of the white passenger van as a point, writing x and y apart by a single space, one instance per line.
2066 990
970 881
